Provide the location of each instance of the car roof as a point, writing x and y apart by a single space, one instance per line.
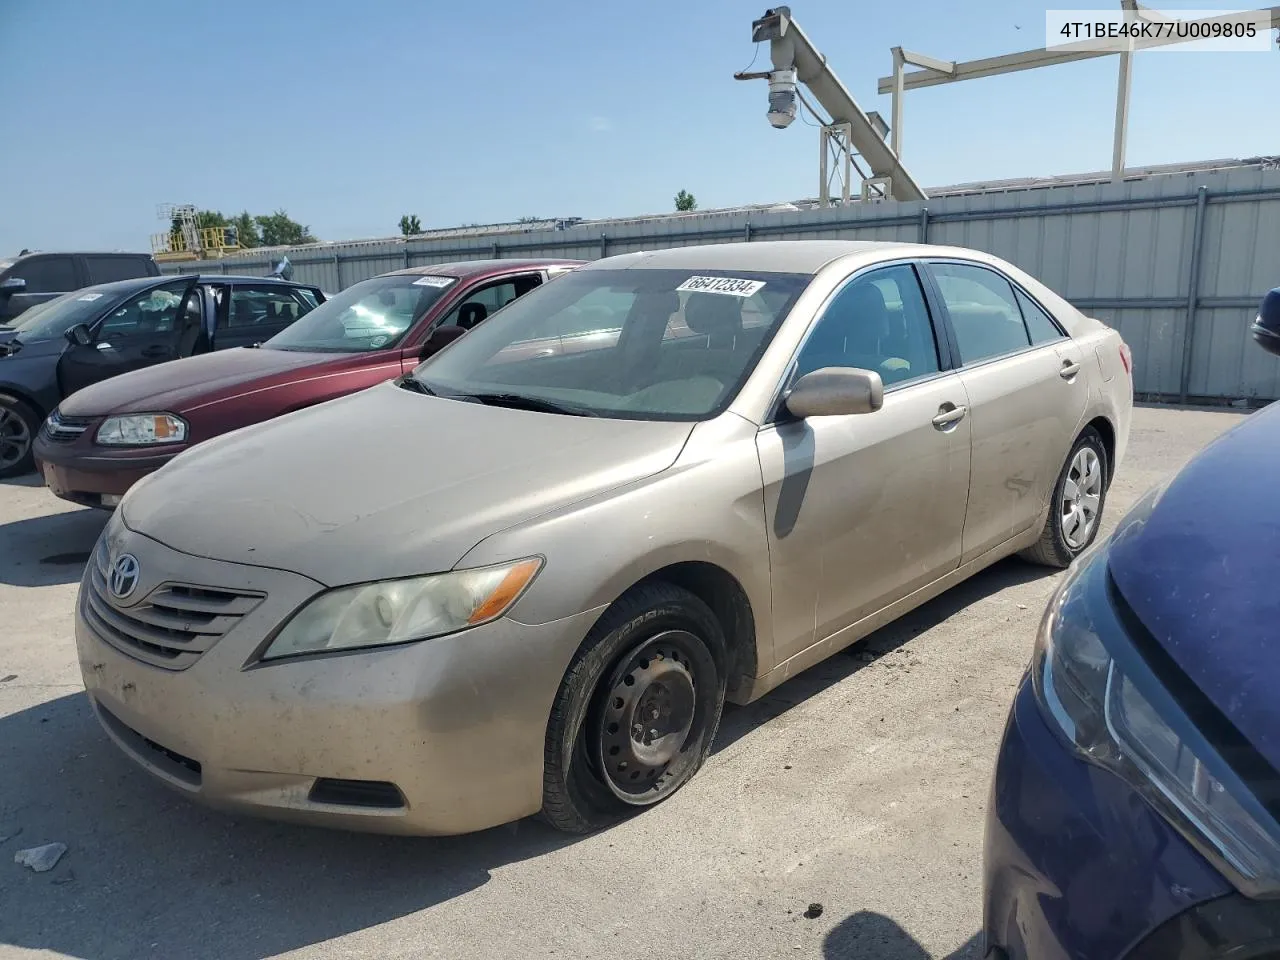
769 256
471 268
239 278
79 253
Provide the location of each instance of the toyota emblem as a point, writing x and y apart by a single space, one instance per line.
124 576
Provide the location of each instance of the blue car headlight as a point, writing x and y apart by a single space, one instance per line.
1094 686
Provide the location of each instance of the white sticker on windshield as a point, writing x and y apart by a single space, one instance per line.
90 297
433 281
730 286
378 341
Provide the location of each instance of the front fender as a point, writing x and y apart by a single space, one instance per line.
708 507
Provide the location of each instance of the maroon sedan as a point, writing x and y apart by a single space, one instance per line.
104 438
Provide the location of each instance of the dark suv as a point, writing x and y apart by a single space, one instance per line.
33 278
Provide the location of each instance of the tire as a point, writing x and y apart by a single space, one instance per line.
657 648
18 427
1062 539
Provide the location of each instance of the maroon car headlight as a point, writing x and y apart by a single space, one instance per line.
142 430
402 611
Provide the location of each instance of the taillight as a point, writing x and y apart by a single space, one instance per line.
1126 358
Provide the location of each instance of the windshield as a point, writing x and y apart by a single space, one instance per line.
47 321
633 344
369 315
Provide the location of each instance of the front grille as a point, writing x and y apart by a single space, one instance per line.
172 627
62 429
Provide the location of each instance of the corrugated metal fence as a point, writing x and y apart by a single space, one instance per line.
1176 263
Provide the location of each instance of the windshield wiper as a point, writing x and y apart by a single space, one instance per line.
410 382
519 401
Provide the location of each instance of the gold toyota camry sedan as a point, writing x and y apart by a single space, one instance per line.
527 576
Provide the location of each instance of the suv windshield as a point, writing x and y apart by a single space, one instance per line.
47 321
368 315
633 344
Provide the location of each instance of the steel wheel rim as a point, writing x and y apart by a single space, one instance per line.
647 731
1081 498
15 437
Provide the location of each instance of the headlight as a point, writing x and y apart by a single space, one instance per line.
400 611
1125 721
142 429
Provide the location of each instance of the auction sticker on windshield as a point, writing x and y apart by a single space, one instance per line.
433 281
90 297
730 286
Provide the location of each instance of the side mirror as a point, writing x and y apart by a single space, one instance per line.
440 338
1266 328
836 391
80 335
11 286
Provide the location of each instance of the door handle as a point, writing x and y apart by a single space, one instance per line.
949 415
1069 369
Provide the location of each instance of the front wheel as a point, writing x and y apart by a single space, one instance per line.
1075 513
637 710
18 426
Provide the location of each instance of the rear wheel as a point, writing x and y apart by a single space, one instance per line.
18 426
637 710
1075 512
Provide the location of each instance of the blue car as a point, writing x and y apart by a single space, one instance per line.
1135 810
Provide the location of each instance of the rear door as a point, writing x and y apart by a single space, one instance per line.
144 330
1026 400
254 313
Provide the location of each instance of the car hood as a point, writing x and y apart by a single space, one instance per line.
386 482
181 384
1201 573
28 349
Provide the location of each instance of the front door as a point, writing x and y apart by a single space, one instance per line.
863 510
144 330
1026 399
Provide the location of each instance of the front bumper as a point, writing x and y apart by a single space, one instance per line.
452 727
1076 863
83 472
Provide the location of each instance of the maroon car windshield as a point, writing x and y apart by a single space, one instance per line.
368 315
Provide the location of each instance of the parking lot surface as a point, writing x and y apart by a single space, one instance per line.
860 785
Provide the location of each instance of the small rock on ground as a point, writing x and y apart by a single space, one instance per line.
42 858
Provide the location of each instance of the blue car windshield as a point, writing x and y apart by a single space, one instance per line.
47 321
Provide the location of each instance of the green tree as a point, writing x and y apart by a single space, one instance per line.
278 230
685 201
410 224
247 230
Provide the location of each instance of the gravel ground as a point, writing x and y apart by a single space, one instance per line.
860 785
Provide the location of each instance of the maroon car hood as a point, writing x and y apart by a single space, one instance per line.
181 384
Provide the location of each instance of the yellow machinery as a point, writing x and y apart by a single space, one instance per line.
186 240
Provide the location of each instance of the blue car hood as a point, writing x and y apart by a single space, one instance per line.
1202 573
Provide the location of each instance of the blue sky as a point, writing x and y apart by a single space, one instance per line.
348 114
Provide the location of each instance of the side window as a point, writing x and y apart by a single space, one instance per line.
984 312
878 322
479 304
149 313
1039 324
255 306
105 269
47 274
